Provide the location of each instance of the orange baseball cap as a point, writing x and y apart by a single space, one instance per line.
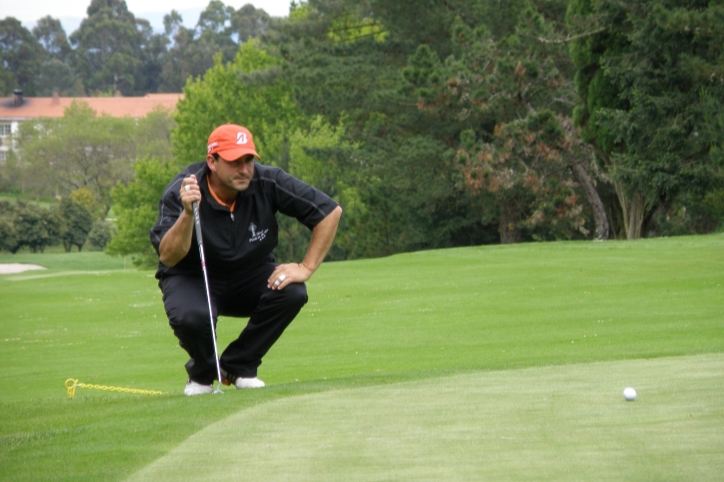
231 142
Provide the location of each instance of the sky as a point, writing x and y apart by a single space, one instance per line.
71 12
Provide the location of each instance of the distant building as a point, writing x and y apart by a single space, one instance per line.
17 109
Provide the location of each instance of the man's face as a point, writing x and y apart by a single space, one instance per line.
236 174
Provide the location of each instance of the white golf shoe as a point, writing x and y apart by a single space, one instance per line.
242 383
192 388
239 382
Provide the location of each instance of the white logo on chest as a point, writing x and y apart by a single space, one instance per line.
256 235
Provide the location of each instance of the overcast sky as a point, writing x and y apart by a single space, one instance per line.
71 12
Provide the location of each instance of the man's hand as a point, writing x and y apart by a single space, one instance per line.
176 242
285 274
190 193
322 237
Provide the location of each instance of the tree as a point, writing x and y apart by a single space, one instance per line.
88 200
20 56
110 49
101 234
36 227
56 72
249 22
58 77
75 223
523 168
136 207
154 133
219 31
153 49
248 92
344 60
49 32
652 89
9 239
506 102
83 150
319 155
213 30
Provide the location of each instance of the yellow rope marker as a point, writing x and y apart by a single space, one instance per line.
72 383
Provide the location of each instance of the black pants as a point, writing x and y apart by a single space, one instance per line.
269 312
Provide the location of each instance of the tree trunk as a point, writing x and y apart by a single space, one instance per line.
509 218
599 211
634 210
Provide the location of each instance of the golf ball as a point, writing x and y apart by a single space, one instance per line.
629 394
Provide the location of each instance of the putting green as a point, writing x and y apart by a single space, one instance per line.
552 423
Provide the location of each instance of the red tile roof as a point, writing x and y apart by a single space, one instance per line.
135 107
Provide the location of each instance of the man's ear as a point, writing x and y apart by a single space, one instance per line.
211 162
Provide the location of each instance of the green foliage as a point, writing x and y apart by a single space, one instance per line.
36 227
652 86
115 51
75 223
136 207
349 28
246 92
101 234
20 58
9 240
318 156
83 151
220 30
56 72
401 167
85 197
517 170
425 92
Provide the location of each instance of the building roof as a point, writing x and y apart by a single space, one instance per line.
136 107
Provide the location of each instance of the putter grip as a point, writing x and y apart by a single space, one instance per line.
197 224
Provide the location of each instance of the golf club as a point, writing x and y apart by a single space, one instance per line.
197 223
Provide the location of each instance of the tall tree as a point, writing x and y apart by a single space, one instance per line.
249 22
348 62
75 223
513 84
51 35
109 48
219 29
153 49
183 59
21 57
248 91
652 88
56 72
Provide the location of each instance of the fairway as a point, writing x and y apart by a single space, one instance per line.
481 363
552 423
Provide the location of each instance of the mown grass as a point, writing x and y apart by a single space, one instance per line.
372 323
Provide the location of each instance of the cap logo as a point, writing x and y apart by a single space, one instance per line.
241 138
212 145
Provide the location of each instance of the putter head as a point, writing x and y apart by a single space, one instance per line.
217 389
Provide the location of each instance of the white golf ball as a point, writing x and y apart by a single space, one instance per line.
629 394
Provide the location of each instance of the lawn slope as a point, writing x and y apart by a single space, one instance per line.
409 318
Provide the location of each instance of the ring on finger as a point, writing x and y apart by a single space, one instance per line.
187 187
277 283
282 277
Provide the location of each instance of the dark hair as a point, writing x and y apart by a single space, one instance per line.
215 155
